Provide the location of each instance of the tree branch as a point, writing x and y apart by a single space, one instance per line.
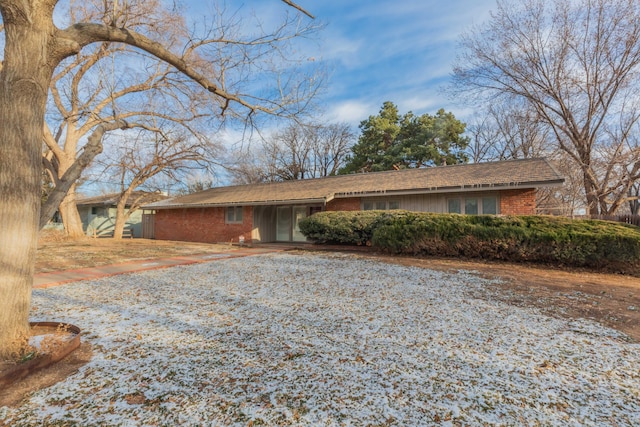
91 150
51 142
85 33
295 6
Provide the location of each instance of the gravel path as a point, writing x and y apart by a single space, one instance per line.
317 339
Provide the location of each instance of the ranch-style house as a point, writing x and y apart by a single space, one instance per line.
270 212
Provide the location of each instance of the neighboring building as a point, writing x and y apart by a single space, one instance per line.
270 212
98 214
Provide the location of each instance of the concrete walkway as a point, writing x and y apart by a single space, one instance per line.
55 278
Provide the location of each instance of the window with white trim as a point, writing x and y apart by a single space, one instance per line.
381 205
234 215
487 205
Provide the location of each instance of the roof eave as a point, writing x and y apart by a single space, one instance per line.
323 200
454 189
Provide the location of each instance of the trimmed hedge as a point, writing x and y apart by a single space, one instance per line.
594 244
351 228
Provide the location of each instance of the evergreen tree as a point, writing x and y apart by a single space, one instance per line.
390 141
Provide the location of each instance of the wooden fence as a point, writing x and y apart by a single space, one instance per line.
627 219
148 226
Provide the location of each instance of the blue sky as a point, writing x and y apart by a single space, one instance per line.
396 51
380 50
376 50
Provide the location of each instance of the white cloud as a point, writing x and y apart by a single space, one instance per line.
345 50
351 111
378 51
419 105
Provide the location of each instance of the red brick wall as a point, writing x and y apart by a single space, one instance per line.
518 202
208 224
201 225
351 204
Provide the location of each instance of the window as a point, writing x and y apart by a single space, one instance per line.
471 206
454 206
380 205
234 215
487 205
98 211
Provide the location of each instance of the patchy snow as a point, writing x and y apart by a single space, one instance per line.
328 340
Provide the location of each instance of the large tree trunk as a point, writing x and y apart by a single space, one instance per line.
121 219
591 193
70 216
24 80
68 208
122 214
33 48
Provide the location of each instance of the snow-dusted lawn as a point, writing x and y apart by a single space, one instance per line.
308 339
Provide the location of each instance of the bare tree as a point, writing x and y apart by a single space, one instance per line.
196 182
513 131
33 48
576 64
330 145
249 166
88 97
89 100
300 151
634 199
568 199
290 154
137 159
504 131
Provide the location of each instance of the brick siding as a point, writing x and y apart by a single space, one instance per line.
208 225
205 225
350 204
518 202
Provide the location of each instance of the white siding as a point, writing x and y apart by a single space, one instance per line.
424 203
264 220
436 203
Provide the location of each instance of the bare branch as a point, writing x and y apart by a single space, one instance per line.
72 174
51 142
85 34
294 5
577 64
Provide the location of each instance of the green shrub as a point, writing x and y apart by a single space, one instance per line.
352 228
541 239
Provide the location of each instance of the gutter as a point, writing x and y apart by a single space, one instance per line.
322 201
452 189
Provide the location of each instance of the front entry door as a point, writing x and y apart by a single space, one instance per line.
299 213
288 223
283 225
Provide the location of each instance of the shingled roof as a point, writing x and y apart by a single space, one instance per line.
527 173
111 199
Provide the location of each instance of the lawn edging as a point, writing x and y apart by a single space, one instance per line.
57 351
